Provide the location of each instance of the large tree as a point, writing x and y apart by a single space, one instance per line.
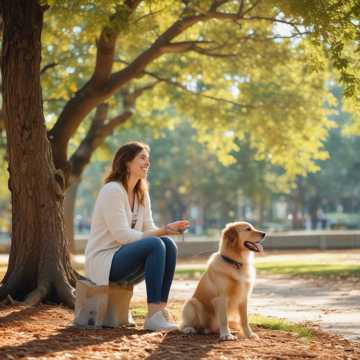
39 263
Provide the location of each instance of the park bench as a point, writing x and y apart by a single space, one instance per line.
102 306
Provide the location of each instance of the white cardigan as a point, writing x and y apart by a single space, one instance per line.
111 228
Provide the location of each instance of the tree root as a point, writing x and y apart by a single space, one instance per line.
66 293
55 282
37 295
12 301
3 293
9 301
79 276
9 283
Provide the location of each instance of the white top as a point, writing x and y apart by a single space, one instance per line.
111 228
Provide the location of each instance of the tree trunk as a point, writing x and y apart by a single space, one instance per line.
100 128
297 205
69 208
39 265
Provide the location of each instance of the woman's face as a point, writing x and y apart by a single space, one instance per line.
140 165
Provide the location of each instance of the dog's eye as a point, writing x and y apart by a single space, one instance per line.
248 229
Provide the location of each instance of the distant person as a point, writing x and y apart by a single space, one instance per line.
124 245
307 221
322 219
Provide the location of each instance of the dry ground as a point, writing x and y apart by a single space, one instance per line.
46 331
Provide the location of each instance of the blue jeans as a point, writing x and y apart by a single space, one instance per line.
152 258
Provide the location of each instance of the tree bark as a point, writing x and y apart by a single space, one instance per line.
39 264
297 207
2 120
69 209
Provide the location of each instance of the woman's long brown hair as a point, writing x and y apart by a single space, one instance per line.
119 171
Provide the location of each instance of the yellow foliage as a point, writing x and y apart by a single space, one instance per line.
257 84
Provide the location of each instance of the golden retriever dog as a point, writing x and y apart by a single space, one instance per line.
221 298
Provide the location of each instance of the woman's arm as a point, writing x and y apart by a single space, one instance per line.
150 229
174 228
157 232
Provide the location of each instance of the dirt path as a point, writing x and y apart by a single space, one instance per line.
334 306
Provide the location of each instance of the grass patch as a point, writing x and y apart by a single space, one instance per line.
189 273
139 311
283 325
342 271
303 269
311 270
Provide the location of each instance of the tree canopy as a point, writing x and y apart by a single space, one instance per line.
236 69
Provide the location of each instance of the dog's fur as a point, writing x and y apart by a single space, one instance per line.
221 298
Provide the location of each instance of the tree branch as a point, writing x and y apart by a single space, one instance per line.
253 6
92 93
104 56
97 89
187 90
272 19
100 128
183 46
217 3
89 95
211 53
159 47
2 119
47 67
106 46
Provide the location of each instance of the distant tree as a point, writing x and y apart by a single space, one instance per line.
337 184
334 26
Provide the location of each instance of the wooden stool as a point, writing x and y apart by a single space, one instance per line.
98 306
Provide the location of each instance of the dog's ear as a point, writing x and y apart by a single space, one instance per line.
231 235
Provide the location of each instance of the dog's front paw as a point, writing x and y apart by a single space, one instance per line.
188 330
252 336
227 337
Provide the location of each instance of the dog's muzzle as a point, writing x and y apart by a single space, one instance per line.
256 247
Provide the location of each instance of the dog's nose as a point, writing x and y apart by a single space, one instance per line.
263 234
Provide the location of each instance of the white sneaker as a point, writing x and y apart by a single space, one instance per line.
131 321
167 315
158 322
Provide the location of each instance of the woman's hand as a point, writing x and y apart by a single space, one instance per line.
177 227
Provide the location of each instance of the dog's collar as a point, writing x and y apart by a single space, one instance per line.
237 264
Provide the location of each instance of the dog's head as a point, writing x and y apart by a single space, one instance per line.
242 236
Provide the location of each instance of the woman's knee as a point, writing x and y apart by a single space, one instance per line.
170 244
156 244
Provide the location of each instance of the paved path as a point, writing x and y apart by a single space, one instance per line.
335 307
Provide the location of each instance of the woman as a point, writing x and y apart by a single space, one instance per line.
124 244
